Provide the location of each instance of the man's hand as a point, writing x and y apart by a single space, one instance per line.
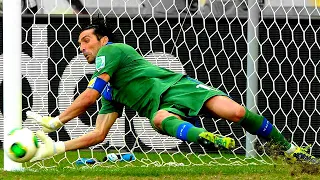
49 124
48 148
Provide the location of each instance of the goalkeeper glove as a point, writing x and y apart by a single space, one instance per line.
48 148
48 123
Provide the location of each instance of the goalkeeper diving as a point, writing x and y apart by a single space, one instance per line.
124 78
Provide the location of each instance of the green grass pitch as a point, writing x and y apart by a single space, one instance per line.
211 166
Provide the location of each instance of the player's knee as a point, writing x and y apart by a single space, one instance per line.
99 136
160 116
239 113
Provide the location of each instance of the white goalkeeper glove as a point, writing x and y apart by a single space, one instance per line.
48 123
48 148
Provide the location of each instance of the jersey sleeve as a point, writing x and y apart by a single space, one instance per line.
110 107
108 60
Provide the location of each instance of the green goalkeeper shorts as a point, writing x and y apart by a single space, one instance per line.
187 97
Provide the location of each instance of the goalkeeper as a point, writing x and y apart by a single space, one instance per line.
124 78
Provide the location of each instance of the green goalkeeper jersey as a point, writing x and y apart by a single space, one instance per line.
135 82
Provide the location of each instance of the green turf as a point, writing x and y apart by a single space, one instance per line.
163 166
156 159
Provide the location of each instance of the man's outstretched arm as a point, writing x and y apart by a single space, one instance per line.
50 148
103 125
82 102
79 106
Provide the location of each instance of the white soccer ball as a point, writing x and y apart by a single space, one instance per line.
112 157
20 145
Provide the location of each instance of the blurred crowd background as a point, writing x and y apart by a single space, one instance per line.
168 7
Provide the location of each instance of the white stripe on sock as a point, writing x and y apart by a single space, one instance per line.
291 149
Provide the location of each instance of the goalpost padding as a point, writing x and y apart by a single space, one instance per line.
212 49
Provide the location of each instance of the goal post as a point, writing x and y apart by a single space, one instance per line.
252 68
12 86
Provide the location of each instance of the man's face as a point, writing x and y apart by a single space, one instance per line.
90 45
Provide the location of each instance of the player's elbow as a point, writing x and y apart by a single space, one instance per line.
99 136
89 98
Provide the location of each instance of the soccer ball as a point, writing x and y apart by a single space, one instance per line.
21 145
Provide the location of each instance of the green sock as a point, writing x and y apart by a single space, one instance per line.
259 125
181 129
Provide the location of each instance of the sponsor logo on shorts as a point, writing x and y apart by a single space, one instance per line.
203 86
206 87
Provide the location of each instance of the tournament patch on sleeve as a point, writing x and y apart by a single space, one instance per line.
100 62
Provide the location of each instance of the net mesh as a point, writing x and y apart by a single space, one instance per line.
206 39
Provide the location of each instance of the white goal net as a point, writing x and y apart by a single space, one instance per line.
206 39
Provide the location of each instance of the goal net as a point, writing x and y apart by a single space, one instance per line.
206 39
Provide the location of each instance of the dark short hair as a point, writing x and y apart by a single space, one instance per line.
101 28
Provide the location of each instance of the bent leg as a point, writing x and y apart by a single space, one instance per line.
226 108
172 125
255 124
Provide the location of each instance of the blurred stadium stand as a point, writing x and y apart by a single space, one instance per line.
170 7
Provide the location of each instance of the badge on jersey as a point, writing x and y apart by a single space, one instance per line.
100 62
